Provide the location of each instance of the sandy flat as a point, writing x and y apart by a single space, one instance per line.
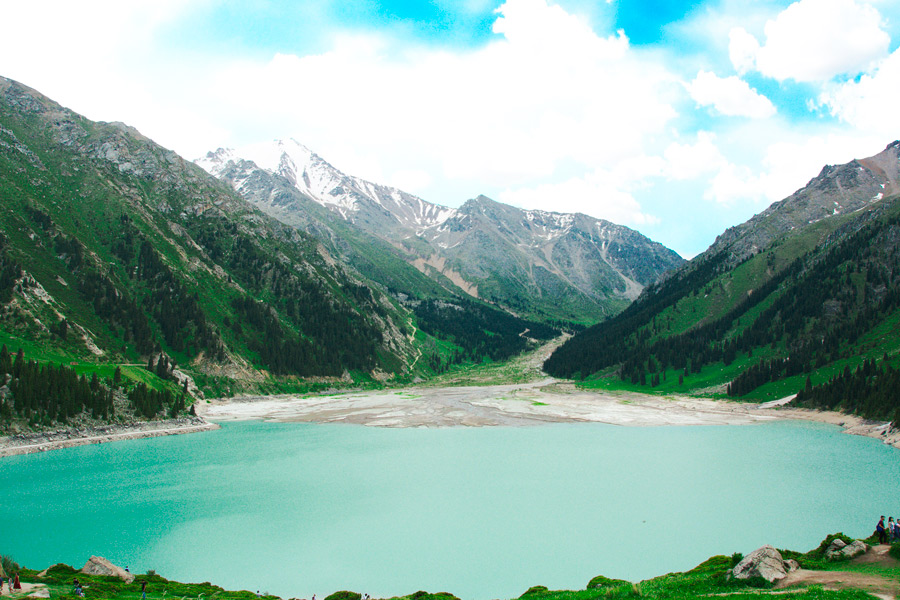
545 401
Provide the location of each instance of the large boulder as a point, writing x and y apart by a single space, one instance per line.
765 562
838 550
97 565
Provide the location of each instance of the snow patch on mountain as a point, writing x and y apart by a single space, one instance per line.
316 178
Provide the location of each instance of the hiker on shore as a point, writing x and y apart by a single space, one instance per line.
144 589
16 585
894 534
879 529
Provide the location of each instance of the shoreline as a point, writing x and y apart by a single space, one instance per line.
524 404
850 424
44 441
510 405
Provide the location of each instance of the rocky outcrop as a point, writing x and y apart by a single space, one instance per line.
97 565
840 189
838 550
765 562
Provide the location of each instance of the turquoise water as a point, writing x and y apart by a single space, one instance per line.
300 509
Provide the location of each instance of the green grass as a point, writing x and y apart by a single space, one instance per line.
712 379
708 579
59 579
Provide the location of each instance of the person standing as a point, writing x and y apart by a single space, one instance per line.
144 589
16 585
879 530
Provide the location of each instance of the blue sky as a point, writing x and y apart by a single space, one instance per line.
679 119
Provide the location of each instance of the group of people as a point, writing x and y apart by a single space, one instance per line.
12 583
888 533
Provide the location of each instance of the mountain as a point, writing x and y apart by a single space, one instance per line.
803 297
116 252
141 253
550 266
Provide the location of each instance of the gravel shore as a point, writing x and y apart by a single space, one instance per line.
27 443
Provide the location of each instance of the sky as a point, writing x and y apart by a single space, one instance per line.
678 119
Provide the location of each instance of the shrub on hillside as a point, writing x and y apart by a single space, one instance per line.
344 595
600 582
895 550
535 589
9 565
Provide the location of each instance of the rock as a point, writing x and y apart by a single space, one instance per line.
857 548
838 550
98 565
791 565
43 592
765 562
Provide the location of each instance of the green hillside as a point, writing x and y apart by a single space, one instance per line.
115 252
815 305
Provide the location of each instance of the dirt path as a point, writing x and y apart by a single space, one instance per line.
35 590
877 585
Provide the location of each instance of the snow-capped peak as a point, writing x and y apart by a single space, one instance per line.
327 185
215 162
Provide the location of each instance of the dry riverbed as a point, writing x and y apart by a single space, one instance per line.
544 401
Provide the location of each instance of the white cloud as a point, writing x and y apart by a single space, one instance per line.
742 50
549 92
814 41
414 181
869 104
610 192
786 166
594 194
731 96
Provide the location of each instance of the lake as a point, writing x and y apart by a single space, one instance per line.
302 509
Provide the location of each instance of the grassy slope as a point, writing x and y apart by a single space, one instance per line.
708 579
84 198
724 291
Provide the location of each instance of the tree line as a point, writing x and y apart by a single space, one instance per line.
816 309
480 331
44 394
869 391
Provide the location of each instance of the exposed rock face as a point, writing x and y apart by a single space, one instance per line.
839 550
765 562
840 189
97 565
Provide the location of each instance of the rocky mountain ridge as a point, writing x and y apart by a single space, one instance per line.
551 265
836 190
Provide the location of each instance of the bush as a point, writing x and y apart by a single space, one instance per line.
535 589
736 558
421 595
9 565
345 595
895 550
600 582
